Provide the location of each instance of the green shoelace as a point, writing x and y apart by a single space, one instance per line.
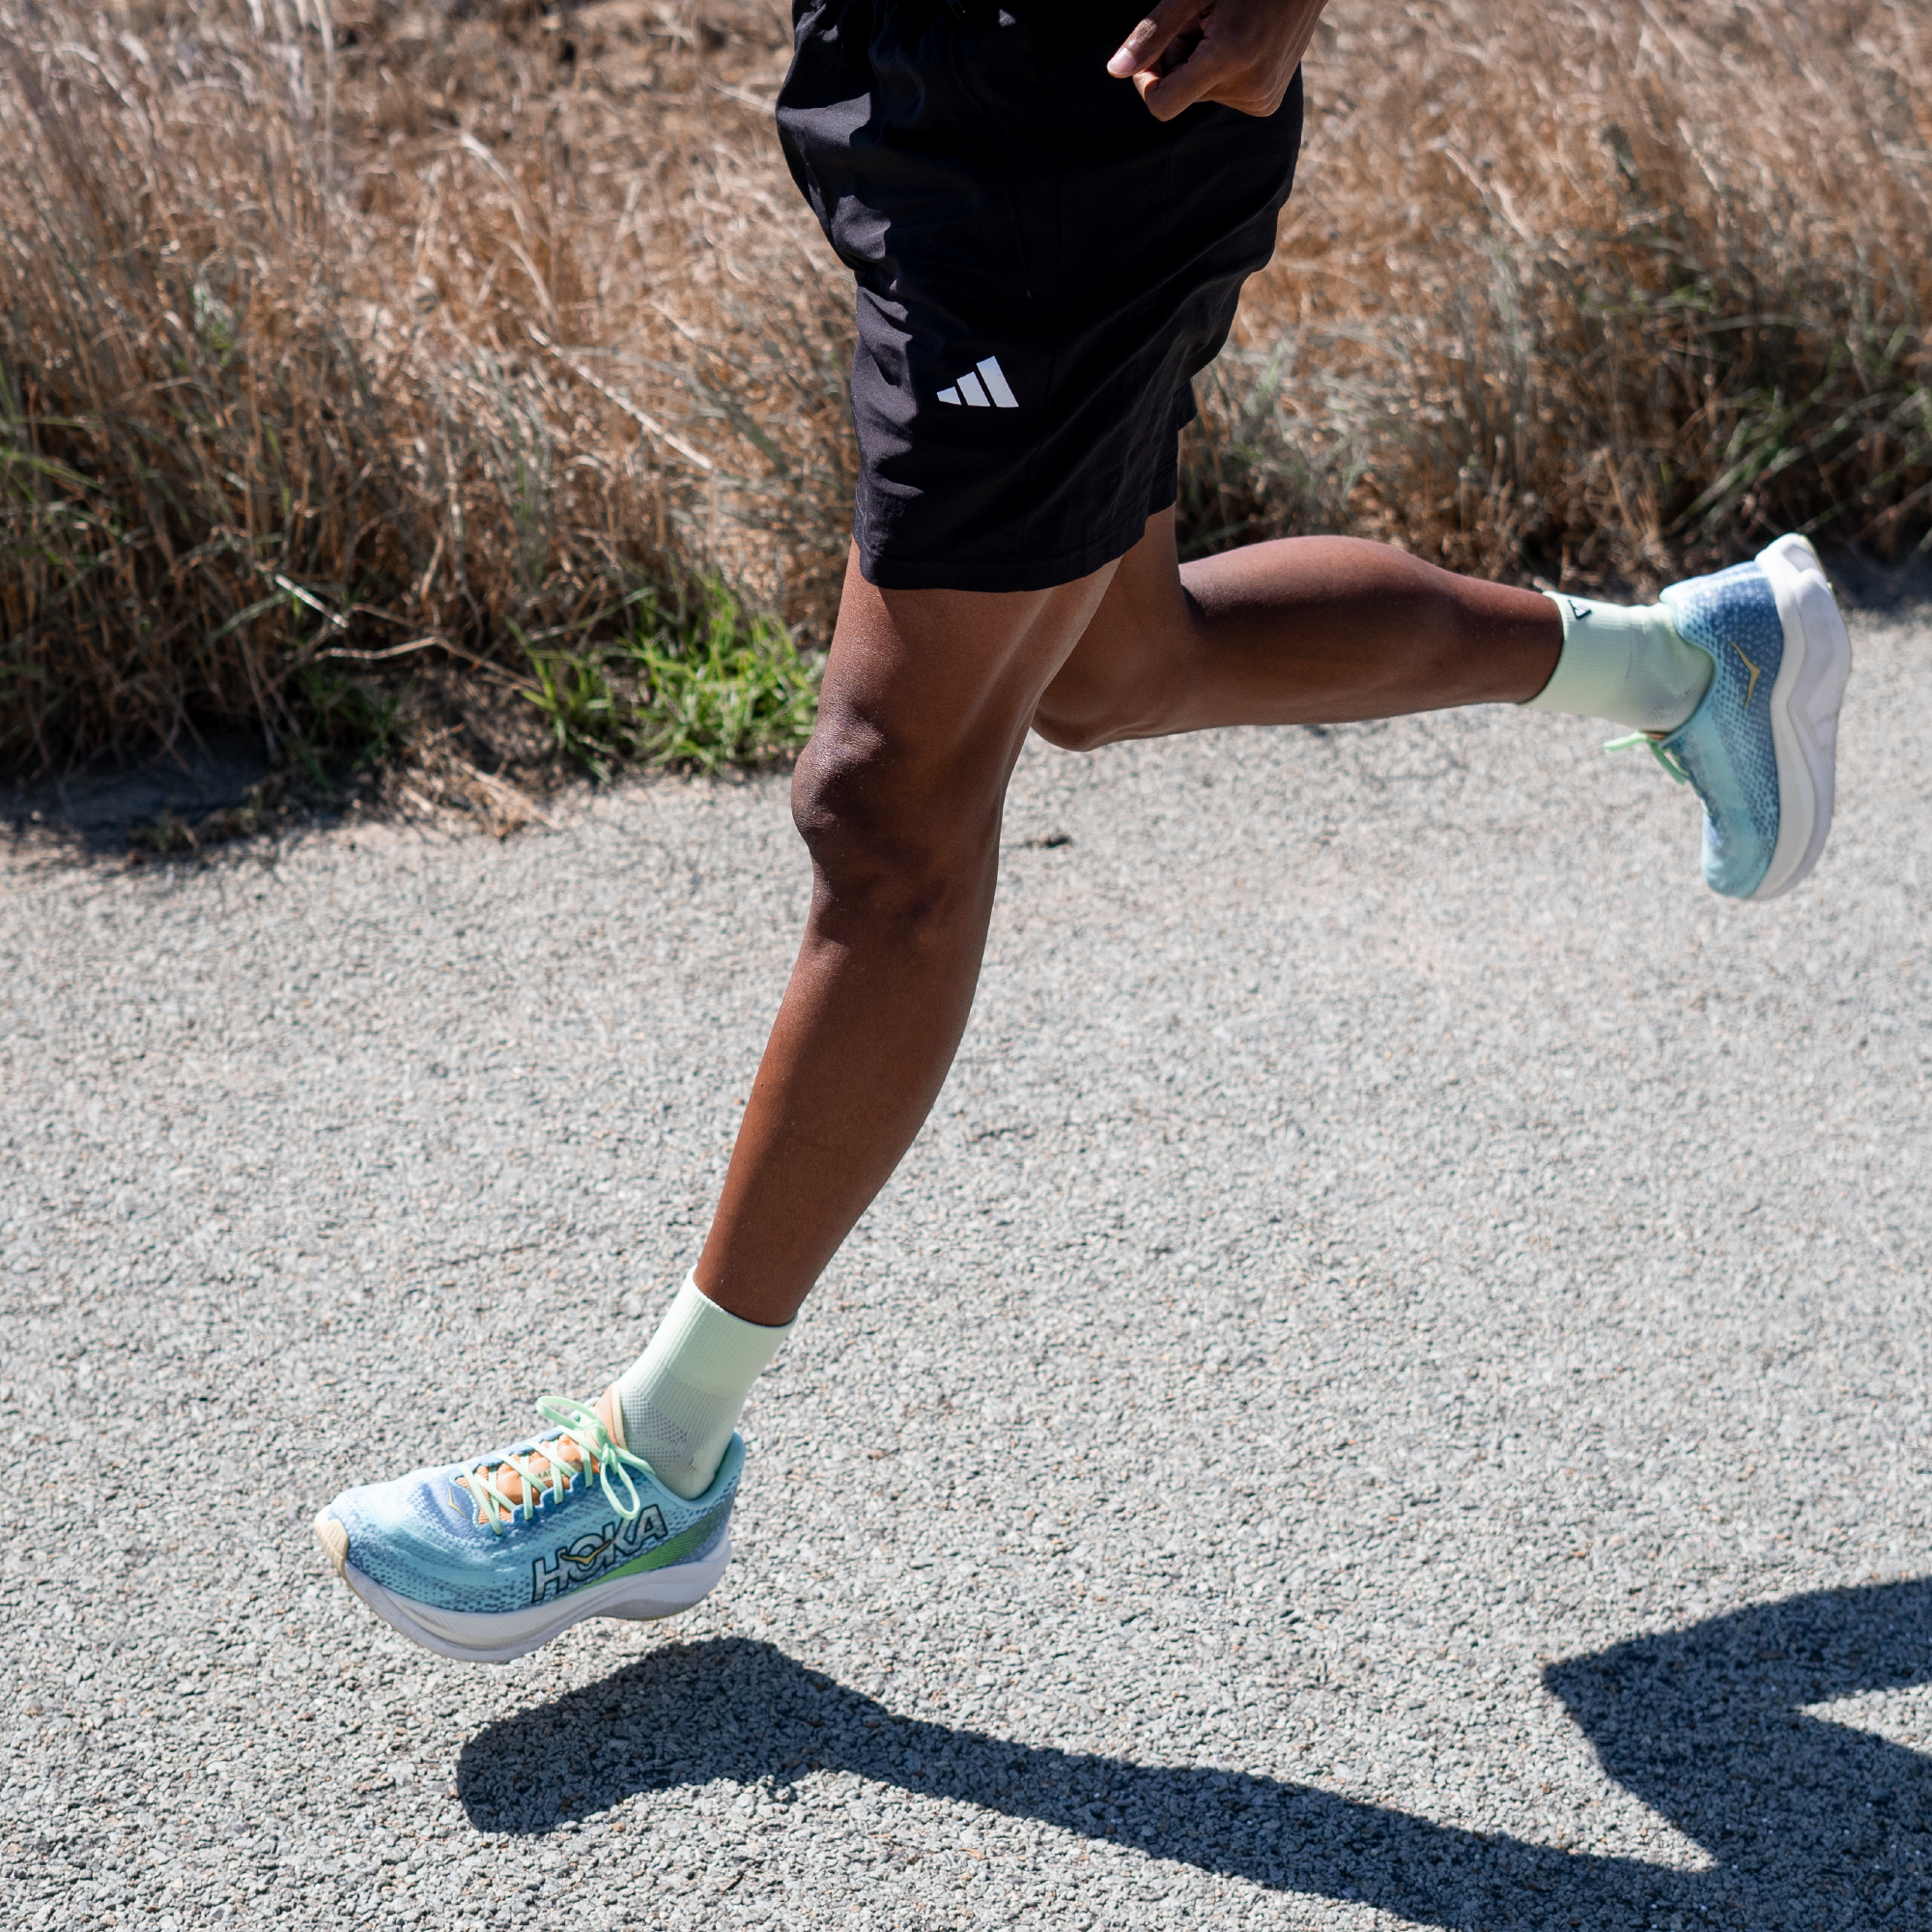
577 1424
1669 760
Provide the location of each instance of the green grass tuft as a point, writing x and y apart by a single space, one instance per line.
698 678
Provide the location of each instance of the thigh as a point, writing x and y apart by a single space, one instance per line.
927 693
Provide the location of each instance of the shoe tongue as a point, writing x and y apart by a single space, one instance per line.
537 1449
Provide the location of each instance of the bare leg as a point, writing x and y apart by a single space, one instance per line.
928 700
1306 631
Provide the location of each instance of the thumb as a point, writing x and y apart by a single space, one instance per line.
1147 42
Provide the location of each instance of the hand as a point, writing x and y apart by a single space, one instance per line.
1241 53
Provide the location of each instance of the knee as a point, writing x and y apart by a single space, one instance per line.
894 835
1099 702
1088 707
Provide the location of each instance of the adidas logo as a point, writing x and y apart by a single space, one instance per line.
987 389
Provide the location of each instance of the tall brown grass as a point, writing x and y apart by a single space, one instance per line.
1596 289
336 342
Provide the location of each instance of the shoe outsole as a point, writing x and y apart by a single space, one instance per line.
477 1637
1805 701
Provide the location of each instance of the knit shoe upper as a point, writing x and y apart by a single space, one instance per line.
450 1539
1724 746
1761 747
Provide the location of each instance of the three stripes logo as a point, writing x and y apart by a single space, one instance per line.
985 388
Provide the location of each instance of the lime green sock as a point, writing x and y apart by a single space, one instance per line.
1627 663
679 1401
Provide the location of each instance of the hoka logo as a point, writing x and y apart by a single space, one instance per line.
594 1553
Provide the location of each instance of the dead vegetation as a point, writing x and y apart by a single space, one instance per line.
1598 290
336 342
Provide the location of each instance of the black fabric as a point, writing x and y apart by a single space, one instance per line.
997 194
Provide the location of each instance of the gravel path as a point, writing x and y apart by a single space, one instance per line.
1393 1390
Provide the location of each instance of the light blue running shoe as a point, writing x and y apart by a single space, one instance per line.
1761 748
475 1571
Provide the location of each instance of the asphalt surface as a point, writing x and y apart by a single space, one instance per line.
1393 1390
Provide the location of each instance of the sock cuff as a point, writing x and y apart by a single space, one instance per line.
713 1348
1623 662
1593 660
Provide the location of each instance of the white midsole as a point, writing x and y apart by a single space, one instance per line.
477 1637
1804 700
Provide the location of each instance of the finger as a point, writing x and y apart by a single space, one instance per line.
1148 40
1175 90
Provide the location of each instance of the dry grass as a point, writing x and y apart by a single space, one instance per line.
306 366
1596 289
333 345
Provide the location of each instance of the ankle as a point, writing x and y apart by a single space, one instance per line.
678 1402
610 1413
1627 663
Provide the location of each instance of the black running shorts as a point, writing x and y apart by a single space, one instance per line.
1043 270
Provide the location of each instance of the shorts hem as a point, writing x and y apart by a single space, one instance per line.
913 573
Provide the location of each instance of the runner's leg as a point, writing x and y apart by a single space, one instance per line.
1733 679
1303 631
899 798
926 701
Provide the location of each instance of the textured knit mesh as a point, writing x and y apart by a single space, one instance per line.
678 1430
682 1398
1726 744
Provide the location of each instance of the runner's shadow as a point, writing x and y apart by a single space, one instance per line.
1805 1823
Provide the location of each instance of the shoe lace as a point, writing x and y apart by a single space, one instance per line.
1657 749
577 1424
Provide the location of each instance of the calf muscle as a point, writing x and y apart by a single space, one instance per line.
1304 631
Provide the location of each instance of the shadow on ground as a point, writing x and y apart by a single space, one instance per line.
99 809
1804 1823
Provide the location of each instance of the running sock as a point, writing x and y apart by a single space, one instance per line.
679 1401
1626 662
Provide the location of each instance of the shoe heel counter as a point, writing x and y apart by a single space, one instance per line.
731 1468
